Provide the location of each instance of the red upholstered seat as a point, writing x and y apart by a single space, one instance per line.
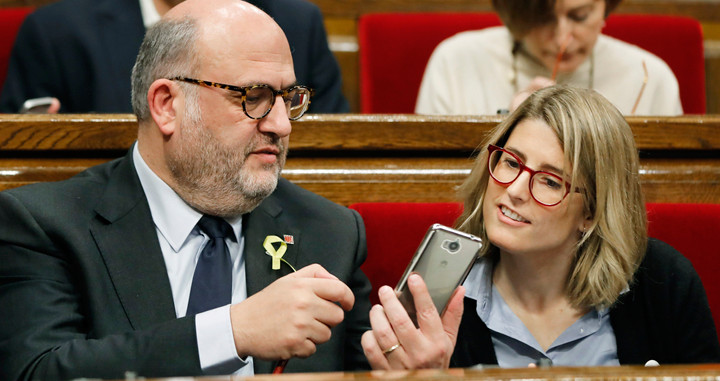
678 41
394 230
692 229
10 20
395 47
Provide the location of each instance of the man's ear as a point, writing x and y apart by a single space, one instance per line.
161 99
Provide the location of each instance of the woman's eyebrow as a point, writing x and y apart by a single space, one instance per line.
543 167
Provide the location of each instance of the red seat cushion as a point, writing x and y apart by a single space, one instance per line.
10 21
394 230
394 49
692 229
678 40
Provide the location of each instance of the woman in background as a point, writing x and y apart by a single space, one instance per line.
542 43
568 275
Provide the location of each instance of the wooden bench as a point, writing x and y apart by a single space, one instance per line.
367 158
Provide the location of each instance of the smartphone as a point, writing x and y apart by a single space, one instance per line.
36 105
443 259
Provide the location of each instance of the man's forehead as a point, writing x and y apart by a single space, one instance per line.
250 68
260 41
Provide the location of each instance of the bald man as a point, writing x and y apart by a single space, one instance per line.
101 273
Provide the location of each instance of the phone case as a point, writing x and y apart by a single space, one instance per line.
36 105
443 260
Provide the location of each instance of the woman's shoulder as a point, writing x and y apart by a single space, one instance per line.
663 261
624 53
662 254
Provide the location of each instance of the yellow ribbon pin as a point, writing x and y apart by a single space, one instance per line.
277 255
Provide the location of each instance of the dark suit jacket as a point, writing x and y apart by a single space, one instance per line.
84 291
664 317
83 51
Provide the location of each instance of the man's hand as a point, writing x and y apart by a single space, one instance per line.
429 346
290 316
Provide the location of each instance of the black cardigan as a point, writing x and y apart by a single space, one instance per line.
664 317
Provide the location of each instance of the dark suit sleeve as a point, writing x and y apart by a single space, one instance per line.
46 328
324 70
32 70
358 319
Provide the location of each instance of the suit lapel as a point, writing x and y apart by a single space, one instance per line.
267 219
125 235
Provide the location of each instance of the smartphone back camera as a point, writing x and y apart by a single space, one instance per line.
451 246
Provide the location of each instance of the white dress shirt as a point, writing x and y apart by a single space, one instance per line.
181 242
149 13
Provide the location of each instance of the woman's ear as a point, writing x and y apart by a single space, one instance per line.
586 223
161 99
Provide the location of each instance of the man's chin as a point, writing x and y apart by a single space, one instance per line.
261 184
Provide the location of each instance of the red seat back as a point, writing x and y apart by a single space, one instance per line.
394 230
395 48
678 40
692 229
10 21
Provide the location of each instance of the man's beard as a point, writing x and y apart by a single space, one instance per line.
214 178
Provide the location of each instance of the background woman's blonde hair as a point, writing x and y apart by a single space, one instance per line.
600 150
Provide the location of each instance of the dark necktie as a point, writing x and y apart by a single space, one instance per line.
212 281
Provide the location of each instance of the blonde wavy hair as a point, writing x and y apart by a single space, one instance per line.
599 145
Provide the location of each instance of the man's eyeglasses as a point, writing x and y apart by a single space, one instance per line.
258 100
505 167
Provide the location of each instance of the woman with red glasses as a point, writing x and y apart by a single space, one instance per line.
567 275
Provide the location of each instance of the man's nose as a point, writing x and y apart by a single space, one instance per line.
277 120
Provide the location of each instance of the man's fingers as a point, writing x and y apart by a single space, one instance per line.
313 271
54 107
334 291
326 285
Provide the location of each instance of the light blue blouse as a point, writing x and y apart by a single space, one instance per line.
590 341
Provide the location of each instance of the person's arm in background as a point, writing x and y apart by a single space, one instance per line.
325 78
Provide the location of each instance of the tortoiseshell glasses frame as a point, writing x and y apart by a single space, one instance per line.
258 100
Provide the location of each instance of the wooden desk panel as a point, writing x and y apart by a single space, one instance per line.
346 181
708 372
341 132
365 158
